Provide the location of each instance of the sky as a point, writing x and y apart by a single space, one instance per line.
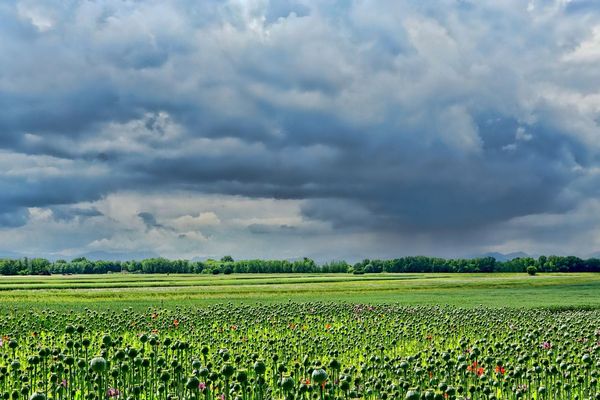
287 128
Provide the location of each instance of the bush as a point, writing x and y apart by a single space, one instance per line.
531 270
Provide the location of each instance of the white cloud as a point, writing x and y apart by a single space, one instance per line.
588 51
195 222
37 14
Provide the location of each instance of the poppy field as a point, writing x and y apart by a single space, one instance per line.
297 350
301 351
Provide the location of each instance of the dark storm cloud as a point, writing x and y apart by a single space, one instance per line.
65 213
149 220
14 218
442 120
38 181
262 229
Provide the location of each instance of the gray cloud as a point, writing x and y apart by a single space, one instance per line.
447 121
263 229
14 218
150 221
68 213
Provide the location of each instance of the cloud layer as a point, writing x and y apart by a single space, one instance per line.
348 129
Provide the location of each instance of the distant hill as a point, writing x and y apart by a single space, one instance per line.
595 254
10 254
505 257
118 256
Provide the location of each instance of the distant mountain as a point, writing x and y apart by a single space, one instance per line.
10 254
505 257
118 256
595 254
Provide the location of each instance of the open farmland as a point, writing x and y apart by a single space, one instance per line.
250 337
300 351
464 290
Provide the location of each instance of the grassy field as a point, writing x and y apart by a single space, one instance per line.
465 290
255 337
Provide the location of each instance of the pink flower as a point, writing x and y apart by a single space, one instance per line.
546 345
64 383
113 392
202 386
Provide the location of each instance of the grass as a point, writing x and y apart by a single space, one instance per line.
465 290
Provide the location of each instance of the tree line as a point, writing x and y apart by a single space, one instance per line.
227 265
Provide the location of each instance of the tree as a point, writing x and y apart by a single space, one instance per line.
532 270
39 266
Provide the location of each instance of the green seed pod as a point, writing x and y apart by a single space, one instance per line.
241 376
305 361
260 367
287 383
227 370
345 385
165 376
98 364
106 340
319 376
192 383
334 364
586 359
542 390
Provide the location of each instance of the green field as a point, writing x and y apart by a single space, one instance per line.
300 337
464 290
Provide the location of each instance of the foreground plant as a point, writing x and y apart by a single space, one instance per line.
300 351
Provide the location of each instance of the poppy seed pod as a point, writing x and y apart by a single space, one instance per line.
319 376
241 376
227 370
287 383
192 383
98 364
260 367
412 394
